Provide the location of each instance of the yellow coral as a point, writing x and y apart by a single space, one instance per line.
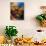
44 40
2 39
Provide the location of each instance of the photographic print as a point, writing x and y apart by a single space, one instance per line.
17 10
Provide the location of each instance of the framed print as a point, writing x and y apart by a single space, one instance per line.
17 10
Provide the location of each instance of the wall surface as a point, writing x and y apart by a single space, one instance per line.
28 26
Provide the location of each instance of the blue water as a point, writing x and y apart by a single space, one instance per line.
21 4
